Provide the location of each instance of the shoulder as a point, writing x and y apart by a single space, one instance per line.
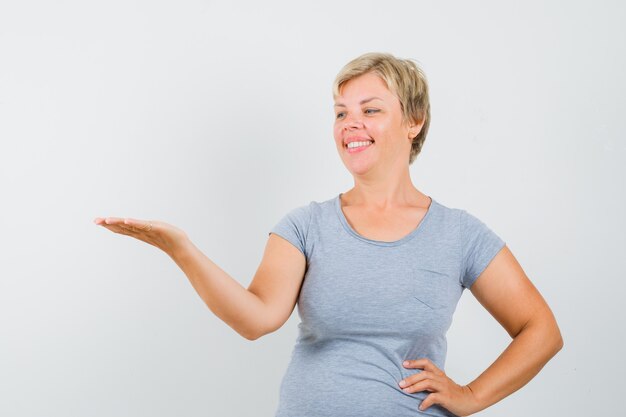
309 210
446 216
301 216
456 215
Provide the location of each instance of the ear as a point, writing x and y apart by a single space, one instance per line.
415 129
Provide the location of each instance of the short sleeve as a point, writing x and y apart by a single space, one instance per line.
294 226
479 245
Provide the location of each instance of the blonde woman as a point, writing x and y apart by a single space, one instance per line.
376 272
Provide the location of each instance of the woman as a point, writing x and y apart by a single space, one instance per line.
385 266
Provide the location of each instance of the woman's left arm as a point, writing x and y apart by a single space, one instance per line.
510 297
506 292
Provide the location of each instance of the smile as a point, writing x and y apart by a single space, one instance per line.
354 147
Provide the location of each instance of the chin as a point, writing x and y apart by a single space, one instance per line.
359 169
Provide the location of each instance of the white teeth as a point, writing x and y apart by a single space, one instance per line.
357 144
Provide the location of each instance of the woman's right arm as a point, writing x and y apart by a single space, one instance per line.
226 297
261 309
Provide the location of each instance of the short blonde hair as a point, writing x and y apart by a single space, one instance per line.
403 78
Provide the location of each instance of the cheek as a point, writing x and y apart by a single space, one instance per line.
337 134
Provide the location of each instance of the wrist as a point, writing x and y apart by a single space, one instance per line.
475 401
180 248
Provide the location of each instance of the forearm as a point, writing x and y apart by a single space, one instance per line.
226 297
529 351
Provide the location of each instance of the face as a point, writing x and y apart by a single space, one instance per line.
366 110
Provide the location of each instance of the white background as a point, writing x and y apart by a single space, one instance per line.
218 117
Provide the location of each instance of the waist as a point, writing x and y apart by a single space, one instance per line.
323 383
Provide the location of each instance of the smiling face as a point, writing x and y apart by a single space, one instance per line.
366 110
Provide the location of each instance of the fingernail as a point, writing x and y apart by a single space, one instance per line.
405 363
402 383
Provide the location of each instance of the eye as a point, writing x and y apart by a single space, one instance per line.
372 111
338 115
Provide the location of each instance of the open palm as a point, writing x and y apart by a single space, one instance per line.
160 234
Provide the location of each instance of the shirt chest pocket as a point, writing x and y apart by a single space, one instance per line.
434 289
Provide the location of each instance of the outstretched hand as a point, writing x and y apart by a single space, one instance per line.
162 235
459 399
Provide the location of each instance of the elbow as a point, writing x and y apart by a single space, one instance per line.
261 329
260 333
557 337
254 334
559 341
547 334
559 346
251 336
554 338
556 347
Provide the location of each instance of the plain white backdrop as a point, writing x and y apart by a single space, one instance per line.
217 117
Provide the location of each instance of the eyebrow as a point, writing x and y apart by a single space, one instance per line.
362 101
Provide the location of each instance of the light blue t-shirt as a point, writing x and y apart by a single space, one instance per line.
368 305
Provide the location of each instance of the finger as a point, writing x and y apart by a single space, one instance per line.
119 229
429 400
108 221
424 385
422 363
125 224
415 378
117 225
105 221
113 220
142 225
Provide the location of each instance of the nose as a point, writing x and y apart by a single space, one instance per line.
352 122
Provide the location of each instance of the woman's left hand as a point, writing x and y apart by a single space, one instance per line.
459 399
